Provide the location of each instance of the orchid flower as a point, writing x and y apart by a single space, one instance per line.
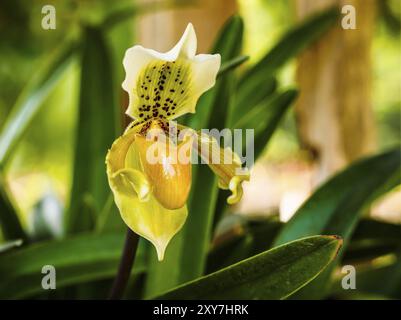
151 197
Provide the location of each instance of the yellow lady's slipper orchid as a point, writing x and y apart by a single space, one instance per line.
152 195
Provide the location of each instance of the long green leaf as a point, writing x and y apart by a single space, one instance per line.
250 94
259 82
336 206
377 280
292 43
31 99
242 242
356 184
96 130
266 117
371 239
274 274
231 64
77 260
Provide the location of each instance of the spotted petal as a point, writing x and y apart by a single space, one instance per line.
168 85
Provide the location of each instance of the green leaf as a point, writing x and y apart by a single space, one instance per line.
390 18
377 279
32 97
9 222
323 211
77 260
242 241
97 127
4 247
292 43
185 258
337 205
389 282
259 81
274 274
370 229
231 64
265 118
229 41
372 239
250 94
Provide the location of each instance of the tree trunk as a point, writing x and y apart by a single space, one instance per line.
334 111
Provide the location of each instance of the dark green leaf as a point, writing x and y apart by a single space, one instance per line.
336 206
292 43
9 222
77 260
243 241
259 81
259 88
96 130
391 19
231 64
324 209
274 274
372 239
382 280
266 117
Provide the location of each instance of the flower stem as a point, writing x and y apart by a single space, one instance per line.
126 263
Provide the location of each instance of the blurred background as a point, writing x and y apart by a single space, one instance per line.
58 110
330 126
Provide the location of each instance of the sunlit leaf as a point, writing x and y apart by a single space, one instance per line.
259 81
